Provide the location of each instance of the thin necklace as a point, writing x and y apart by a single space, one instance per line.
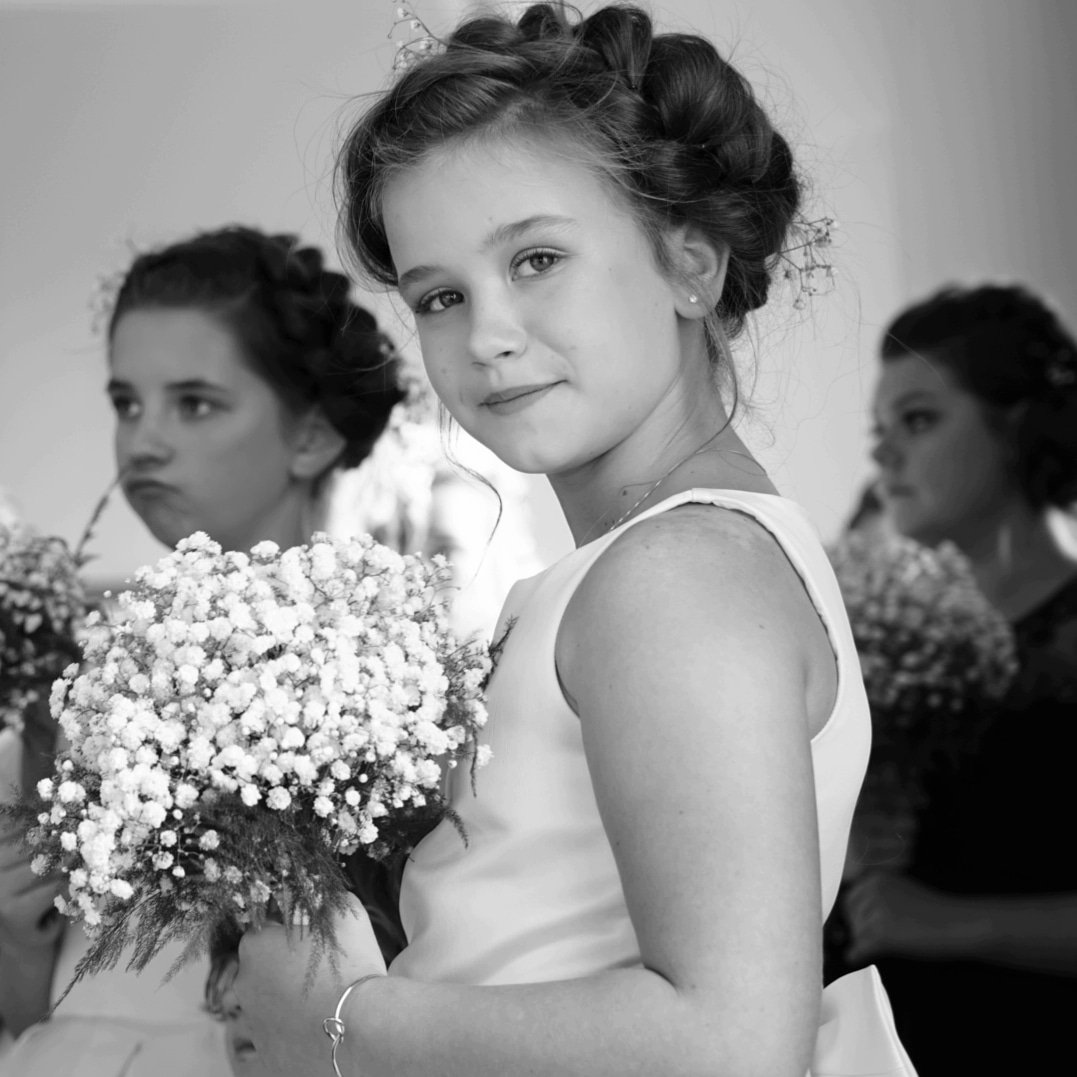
654 486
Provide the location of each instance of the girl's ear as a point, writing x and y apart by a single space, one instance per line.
316 446
701 264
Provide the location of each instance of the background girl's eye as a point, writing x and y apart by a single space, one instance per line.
917 421
194 407
125 407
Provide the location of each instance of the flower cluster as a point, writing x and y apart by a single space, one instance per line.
244 722
414 41
42 604
806 264
933 652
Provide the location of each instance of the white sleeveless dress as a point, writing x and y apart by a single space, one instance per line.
117 1023
535 894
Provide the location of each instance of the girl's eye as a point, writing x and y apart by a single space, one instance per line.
194 407
125 407
436 302
533 263
917 421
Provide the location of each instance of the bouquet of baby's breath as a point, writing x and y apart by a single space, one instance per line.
42 604
934 655
242 723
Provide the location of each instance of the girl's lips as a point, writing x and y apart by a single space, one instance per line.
510 401
146 488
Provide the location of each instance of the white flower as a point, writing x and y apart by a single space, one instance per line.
71 793
278 798
122 889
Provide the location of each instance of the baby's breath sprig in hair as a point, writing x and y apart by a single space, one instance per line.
102 300
806 265
414 41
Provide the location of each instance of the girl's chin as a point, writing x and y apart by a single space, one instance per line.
919 530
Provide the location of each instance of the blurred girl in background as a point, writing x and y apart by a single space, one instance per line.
243 378
976 420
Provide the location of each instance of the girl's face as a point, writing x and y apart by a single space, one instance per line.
944 469
204 443
546 326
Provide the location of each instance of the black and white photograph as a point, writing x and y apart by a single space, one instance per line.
537 538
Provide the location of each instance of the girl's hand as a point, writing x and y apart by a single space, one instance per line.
284 1006
889 913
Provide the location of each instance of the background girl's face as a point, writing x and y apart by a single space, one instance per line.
546 326
202 440
945 469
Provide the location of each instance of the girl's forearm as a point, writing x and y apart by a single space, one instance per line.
622 1023
1034 933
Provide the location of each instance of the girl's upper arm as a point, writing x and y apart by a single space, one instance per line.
685 650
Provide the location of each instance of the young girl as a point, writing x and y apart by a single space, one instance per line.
580 214
976 419
242 375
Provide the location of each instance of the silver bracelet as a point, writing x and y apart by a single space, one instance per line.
334 1026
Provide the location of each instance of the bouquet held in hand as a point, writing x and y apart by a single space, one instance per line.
934 656
42 605
242 723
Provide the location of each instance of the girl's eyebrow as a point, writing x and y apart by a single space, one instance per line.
188 386
912 396
503 233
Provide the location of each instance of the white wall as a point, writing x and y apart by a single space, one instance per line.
939 132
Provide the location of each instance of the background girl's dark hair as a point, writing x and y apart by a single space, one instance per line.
1006 347
293 318
674 126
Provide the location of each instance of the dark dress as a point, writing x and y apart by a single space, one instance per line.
1002 822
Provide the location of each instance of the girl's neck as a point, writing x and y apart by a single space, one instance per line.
1017 560
610 494
290 522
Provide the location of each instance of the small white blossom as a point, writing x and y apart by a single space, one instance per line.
278 798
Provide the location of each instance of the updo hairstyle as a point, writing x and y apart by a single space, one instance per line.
293 319
662 118
1004 345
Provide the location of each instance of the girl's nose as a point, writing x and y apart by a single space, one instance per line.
884 453
496 330
143 445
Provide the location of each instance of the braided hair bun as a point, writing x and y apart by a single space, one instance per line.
664 118
294 319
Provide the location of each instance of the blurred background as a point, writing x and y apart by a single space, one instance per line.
940 135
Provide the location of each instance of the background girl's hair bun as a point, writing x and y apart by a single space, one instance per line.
293 318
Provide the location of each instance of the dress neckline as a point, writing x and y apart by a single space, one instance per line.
683 497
